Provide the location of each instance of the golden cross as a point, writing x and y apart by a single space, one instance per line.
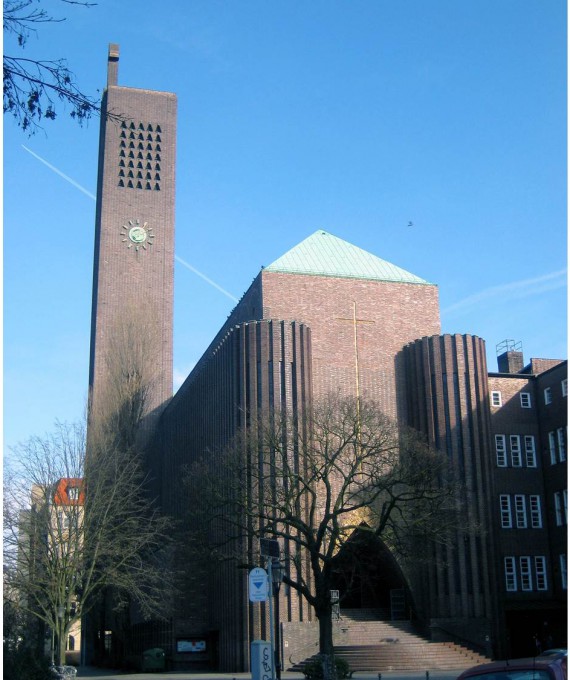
355 321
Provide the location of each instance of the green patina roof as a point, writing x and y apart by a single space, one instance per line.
323 254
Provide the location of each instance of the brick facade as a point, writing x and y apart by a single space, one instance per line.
448 400
529 442
389 315
135 275
257 365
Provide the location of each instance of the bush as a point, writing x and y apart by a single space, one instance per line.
313 669
23 663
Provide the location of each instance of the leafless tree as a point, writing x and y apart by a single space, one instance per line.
312 484
63 551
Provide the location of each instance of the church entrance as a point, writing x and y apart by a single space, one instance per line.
368 577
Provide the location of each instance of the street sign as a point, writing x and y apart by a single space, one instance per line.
269 547
258 585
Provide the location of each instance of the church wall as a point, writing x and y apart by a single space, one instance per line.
448 401
255 366
389 315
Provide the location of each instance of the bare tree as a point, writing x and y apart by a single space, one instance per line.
78 522
312 485
33 87
72 529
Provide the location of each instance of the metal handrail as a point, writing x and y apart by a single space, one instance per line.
313 645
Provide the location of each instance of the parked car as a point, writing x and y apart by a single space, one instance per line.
550 665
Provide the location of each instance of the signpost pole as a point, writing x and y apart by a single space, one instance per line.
272 641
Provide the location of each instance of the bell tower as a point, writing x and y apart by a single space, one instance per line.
133 274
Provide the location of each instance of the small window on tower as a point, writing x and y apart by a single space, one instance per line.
496 399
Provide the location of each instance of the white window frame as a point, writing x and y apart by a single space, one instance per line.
73 493
526 573
535 512
505 510
561 444
520 511
563 572
516 454
526 401
552 447
564 385
540 572
510 575
501 450
530 451
548 396
496 399
559 517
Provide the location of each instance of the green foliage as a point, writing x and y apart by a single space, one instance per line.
313 669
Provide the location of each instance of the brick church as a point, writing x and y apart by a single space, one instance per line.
327 317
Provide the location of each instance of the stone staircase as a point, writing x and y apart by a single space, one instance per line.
370 644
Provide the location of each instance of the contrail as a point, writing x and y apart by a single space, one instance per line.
88 193
203 276
513 290
58 172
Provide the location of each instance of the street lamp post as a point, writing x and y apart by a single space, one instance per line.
60 615
277 572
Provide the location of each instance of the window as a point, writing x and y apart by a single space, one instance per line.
510 574
516 457
505 505
548 396
496 399
552 447
529 571
540 569
525 400
523 507
529 451
501 450
73 493
526 574
563 572
520 511
558 508
535 512
561 446
565 387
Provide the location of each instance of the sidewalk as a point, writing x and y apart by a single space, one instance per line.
105 674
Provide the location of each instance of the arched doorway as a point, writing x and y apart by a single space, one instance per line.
367 576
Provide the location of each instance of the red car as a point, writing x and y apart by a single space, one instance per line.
547 666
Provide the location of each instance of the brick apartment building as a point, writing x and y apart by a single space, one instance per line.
330 317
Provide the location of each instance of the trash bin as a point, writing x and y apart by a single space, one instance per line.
153 660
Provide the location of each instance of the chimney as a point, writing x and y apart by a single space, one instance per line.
510 356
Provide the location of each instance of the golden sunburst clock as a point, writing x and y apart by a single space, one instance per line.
137 234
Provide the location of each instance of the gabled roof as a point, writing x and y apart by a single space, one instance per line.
323 254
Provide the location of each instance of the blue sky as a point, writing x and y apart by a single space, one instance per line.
355 116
